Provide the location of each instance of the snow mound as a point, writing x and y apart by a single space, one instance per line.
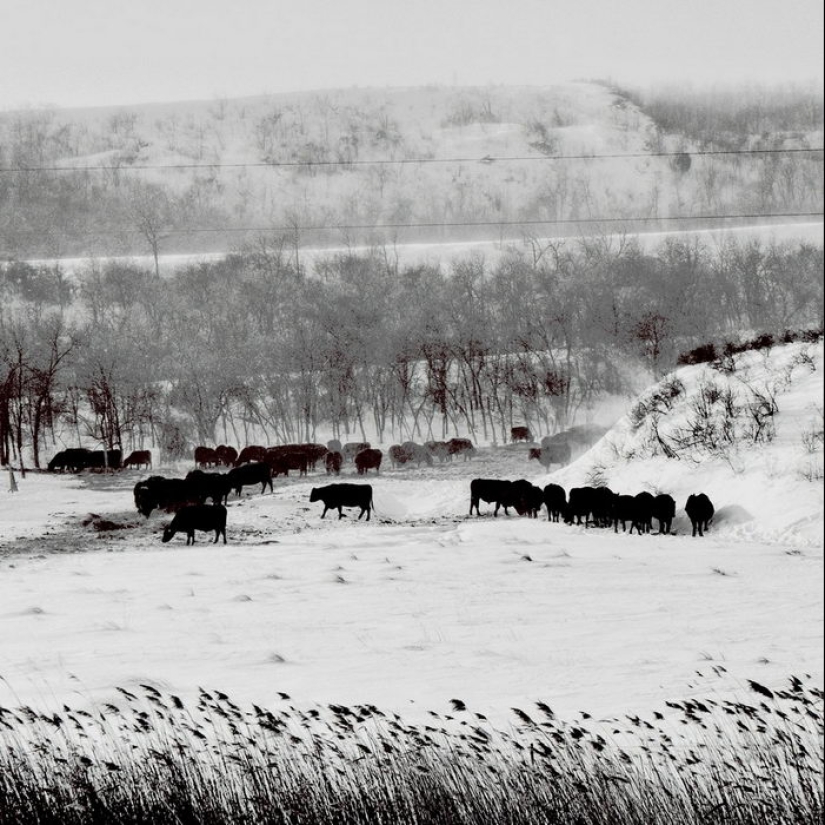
747 431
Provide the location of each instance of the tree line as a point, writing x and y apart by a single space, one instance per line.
253 347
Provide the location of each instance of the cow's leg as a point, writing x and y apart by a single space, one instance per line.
340 513
326 507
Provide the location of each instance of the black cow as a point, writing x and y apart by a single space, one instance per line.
216 486
643 519
285 458
227 456
138 458
333 461
206 457
527 498
193 517
555 500
700 512
624 511
164 494
314 453
352 448
664 510
602 506
493 491
579 504
337 496
368 460
74 460
79 458
104 460
520 434
256 472
253 452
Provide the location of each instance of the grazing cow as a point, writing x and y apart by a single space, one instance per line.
210 485
254 452
227 456
624 510
493 491
204 517
520 434
352 448
74 460
77 459
333 461
700 512
206 457
334 446
439 450
337 496
555 500
164 494
139 459
527 498
664 510
104 460
368 460
461 446
256 472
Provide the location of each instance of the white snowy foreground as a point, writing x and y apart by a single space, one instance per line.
424 604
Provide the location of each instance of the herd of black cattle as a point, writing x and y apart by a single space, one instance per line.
597 506
187 497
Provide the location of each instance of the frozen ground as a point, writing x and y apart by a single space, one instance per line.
424 604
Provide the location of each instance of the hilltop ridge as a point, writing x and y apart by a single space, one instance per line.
356 166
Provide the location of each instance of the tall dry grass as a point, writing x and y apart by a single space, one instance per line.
153 758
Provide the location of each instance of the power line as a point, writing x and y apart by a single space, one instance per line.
432 224
487 159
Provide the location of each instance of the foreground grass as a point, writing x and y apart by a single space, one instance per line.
151 758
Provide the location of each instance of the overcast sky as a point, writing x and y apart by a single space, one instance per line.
104 52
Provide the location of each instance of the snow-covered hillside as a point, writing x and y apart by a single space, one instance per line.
424 604
749 435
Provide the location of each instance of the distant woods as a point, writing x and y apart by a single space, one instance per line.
253 348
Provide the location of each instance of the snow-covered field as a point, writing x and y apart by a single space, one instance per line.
424 604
